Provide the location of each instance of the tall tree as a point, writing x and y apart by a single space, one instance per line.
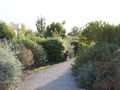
98 31
74 31
55 29
40 24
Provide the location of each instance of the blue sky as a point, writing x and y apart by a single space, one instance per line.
74 12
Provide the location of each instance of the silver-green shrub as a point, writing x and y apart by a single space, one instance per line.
10 70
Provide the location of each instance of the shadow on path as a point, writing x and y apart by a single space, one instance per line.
64 82
57 77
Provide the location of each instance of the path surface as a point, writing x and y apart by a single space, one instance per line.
57 77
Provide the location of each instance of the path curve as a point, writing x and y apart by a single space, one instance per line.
57 77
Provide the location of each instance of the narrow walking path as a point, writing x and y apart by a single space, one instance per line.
57 77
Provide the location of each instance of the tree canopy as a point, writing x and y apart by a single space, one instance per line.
55 29
40 24
98 31
74 31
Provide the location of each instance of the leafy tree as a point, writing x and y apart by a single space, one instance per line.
40 24
108 34
98 31
92 31
55 30
5 32
75 31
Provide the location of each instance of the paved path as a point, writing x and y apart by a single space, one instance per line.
57 77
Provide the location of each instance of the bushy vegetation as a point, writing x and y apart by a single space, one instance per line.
32 50
39 54
5 32
96 48
98 31
25 56
54 49
10 70
55 29
97 65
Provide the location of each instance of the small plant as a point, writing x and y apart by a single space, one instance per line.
25 56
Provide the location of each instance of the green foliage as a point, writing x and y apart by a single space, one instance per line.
23 31
55 30
71 45
10 70
39 54
75 31
34 38
98 31
69 51
102 59
5 32
54 49
66 42
92 31
98 52
97 65
41 25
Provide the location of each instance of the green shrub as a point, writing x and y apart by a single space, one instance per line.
10 70
54 49
97 52
39 54
5 32
98 67
66 42
34 38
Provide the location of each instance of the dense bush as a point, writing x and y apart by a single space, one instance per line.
68 50
5 32
25 56
98 67
10 70
39 54
54 49
55 29
98 31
